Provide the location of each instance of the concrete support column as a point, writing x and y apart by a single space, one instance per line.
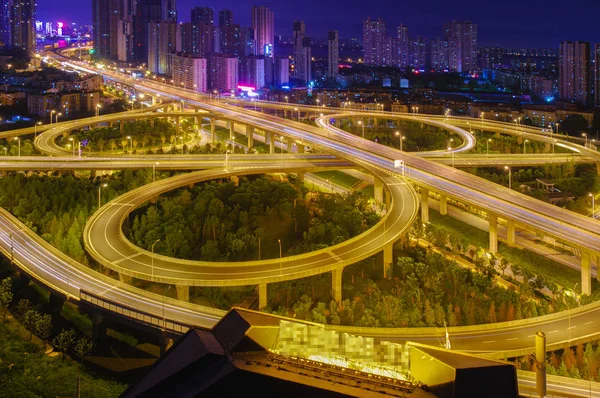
493 233
212 130
164 342
510 232
301 177
153 100
300 148
98 328
586 273
424 205
597 261
262 296
270 141
378 191
336 284
152 122
124 278
443 205
290 145
388 260
183 292
122 126
376 124
250 136
231 130
177 124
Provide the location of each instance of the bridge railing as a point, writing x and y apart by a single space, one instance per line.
134 314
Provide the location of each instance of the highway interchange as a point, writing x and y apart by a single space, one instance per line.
56 270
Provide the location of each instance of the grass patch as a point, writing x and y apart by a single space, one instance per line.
533 262
25 371
79 320
122 337
338 177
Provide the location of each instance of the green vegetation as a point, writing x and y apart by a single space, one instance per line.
580 362
224 222
10 147
338 177
57 207
494 143
427 289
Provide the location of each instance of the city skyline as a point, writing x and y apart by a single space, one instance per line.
534 27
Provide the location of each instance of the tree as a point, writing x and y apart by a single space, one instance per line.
83 347
29 320
23 306
574 124
64 340
6 296
503 265
43 327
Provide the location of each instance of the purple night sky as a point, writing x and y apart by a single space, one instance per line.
511 23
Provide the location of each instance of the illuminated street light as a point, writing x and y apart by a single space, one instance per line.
51 113
99 189
584 135
509 177
152 258
280 256
593 204
524 142
130 143
98 107
19 141
400 138
363 128
35 129
487 146
154 171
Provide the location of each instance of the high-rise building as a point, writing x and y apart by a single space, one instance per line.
439 54
305 64
161 43
490 57
574 81
191 71
252 72
263 23
223 73
225 18
281 71
418 53
229 39
401 53
333 53
597 75
106 18
146 12
203 14
462 45
5 35
197 39
298 36
246 41
377 44
22 27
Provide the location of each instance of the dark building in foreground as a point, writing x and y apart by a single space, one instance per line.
250 353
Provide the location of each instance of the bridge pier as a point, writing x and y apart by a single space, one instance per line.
510 232
98 328
493 232
300 176
388 260
586 273
300 148
378 190
270 141
290 146
443 205
231 130
152 122
250 136
212 130
164 342
375 124
262 296
153 98
177 124
121 126
336 284
424 205
183 292
124 278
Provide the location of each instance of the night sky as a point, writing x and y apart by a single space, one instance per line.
510 23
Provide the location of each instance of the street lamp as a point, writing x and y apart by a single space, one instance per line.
152 257
286 99
19 142
35 129
487 146
557 128
99 189
57 115
400 138
181 137
524 142
593 205
482 115
226 159
154 171
509 177
553 142
585 136
51 113
280 263
298 110
130 143
98 106
360 123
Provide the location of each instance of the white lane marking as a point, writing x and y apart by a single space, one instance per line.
554 331
514 338
531 335
487 342
572 327
590 322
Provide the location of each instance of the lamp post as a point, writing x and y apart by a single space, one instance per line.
152 257
280 256
487 146
130 143
482 115
363 128
400 138
100 189
35 129
57 115
181 137
297 110
51 113
593 204
226 159
154 171
585 136
98 106
142 96
557 128
509 177
524 142
553 142
451 154
19 143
